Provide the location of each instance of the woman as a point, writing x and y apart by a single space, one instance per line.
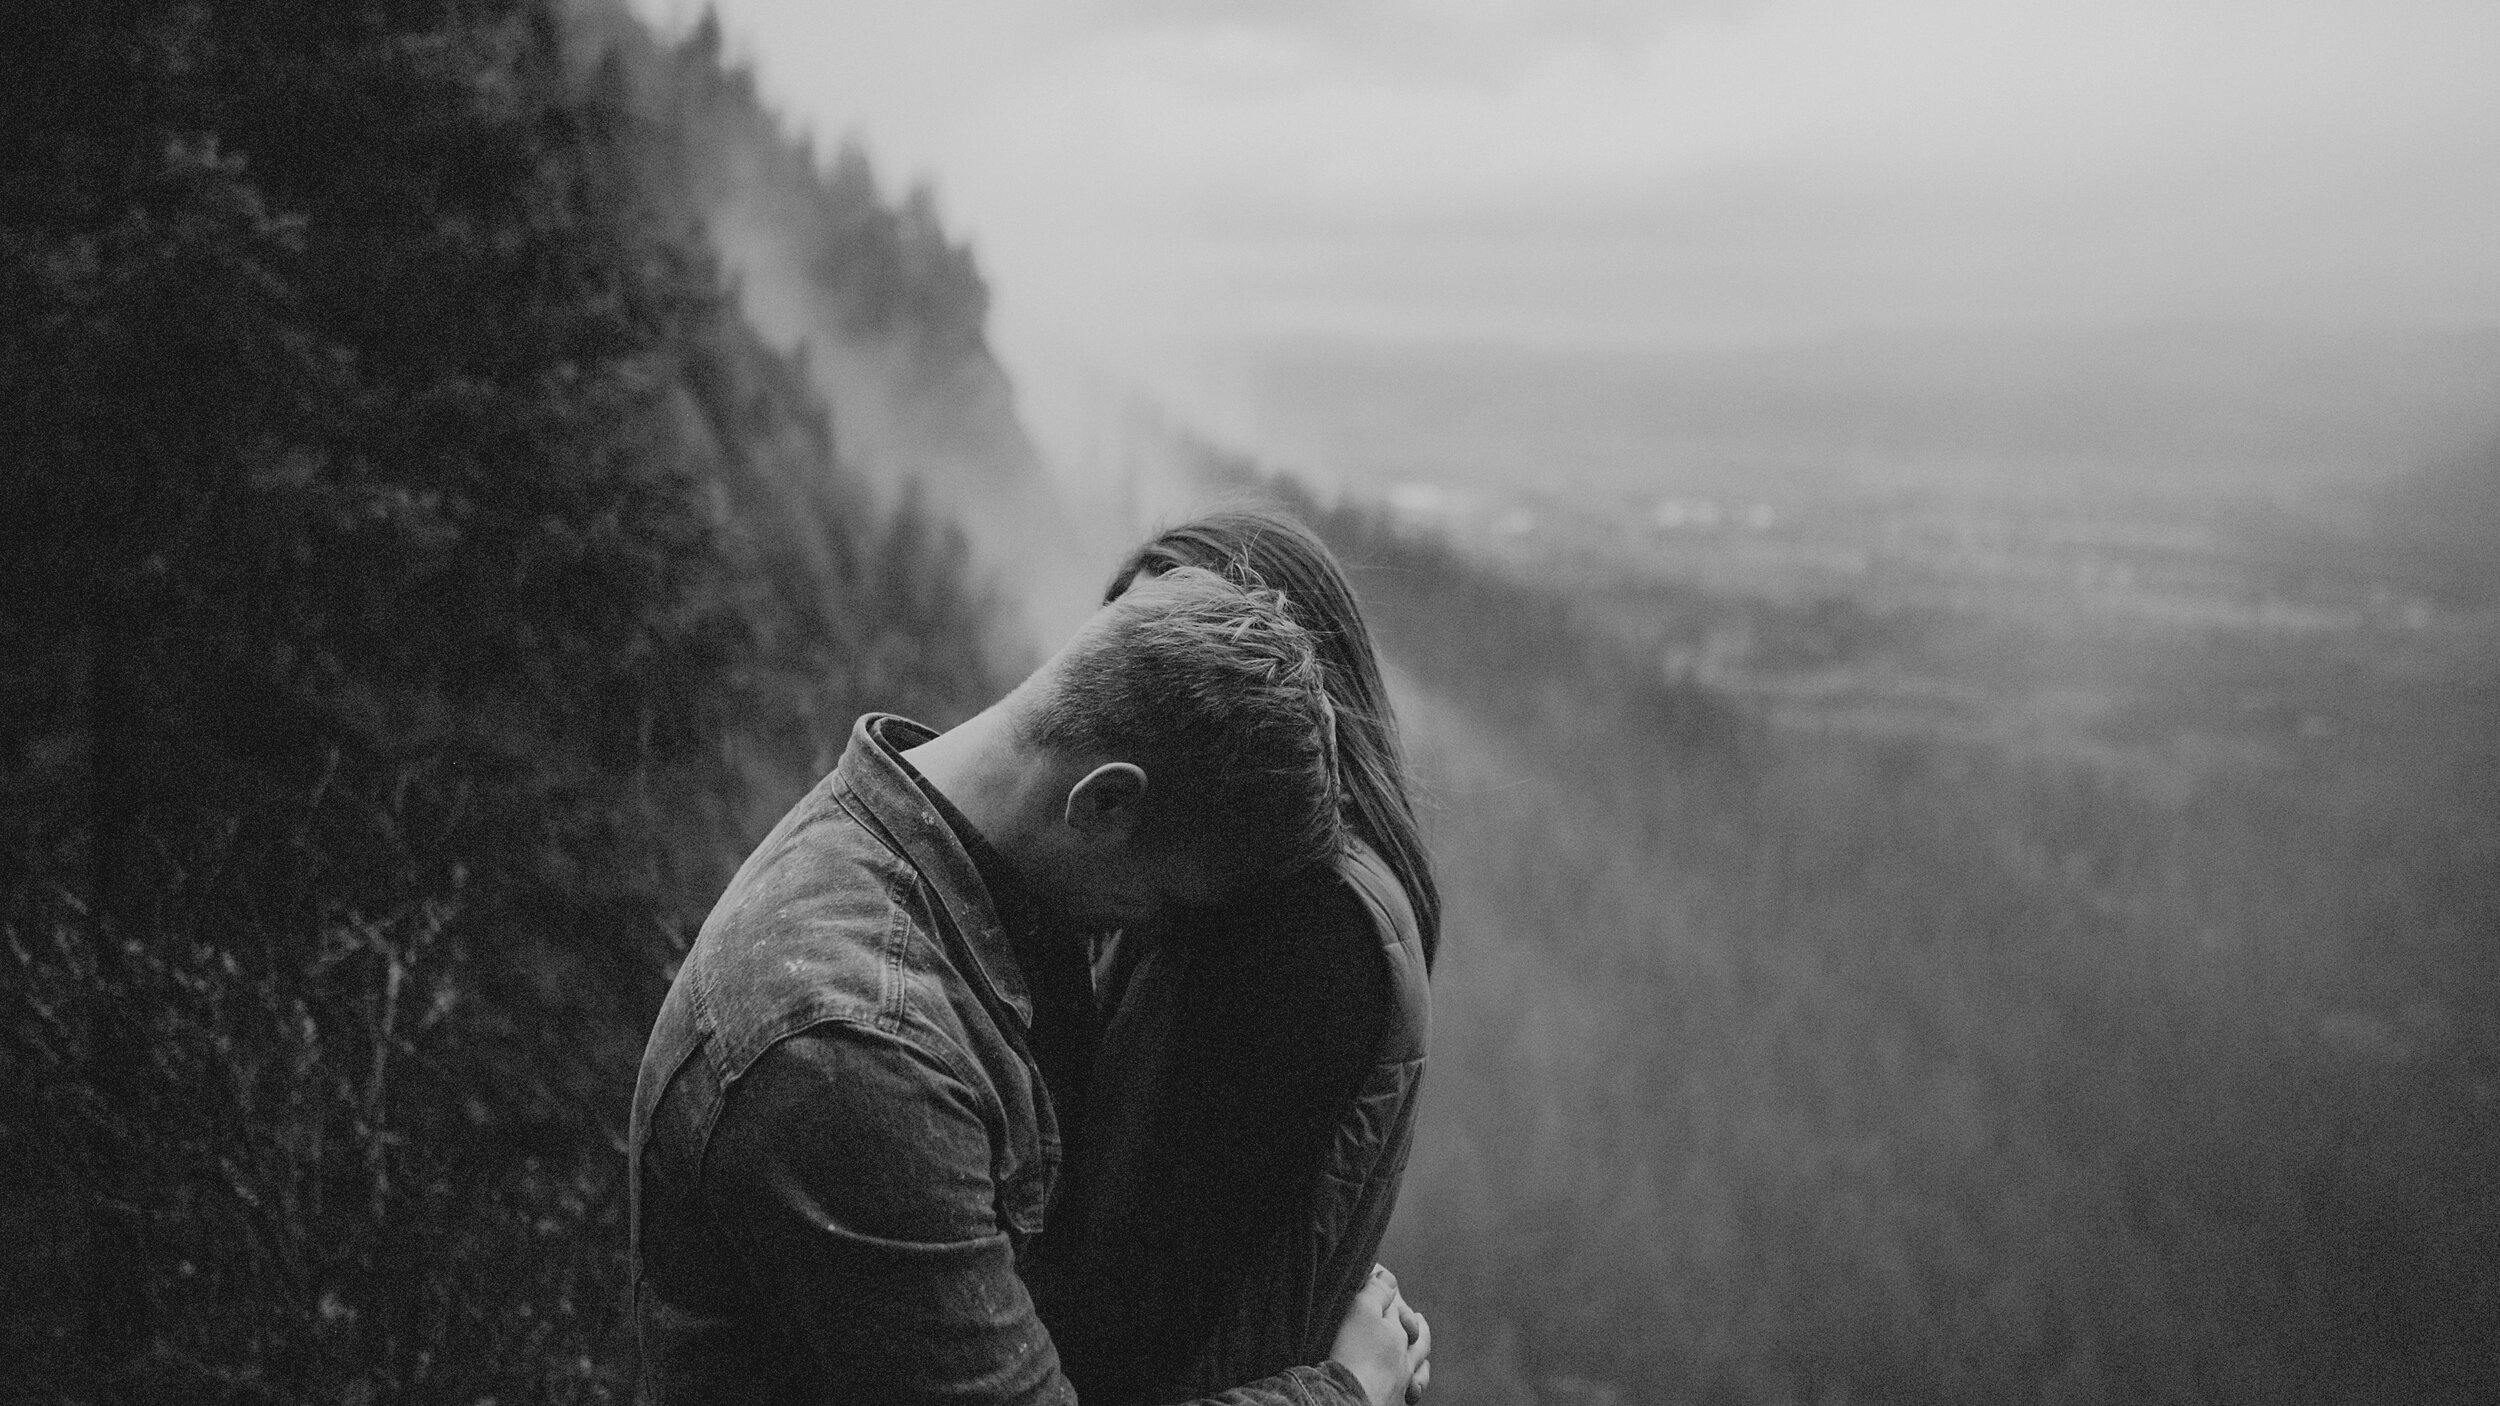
1236 1146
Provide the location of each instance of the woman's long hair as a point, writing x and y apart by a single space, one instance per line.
1257 548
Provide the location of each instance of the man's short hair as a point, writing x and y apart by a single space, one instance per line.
1214 690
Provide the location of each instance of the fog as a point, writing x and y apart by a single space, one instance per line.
1930 555
1148 185
1939 564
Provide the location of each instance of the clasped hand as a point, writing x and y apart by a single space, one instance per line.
1385 1342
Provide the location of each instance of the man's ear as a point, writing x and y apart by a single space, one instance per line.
1106 804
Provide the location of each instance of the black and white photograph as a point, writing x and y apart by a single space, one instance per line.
1250 702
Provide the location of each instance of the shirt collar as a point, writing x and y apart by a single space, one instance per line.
913 816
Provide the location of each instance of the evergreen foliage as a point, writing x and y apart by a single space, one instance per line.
416 585
1777 1059
889 267
1776 1062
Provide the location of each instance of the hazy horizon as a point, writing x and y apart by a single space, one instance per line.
1936 568
1153 189
2165 411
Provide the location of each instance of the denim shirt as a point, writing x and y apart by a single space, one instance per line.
841 1144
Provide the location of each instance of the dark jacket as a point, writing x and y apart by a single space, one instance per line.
1248 1119
842 1148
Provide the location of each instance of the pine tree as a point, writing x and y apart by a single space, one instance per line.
416 585
362 619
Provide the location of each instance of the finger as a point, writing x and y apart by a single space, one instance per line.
1415 1384
1419 1341
1378 1296
1409 1318
1381 1275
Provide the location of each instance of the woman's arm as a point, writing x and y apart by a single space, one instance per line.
855 1170
1248 1120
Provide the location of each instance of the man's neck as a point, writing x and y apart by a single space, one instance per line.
983 769
983 772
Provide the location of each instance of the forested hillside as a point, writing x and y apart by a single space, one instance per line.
884 309
458 462
1778 1063
418 580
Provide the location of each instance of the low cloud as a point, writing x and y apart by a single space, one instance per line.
1137 173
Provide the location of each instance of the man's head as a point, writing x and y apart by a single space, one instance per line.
1192 719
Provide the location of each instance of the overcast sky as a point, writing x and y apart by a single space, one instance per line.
1137 174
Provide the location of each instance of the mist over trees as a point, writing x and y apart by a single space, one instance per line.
884 307
420 580
417 581
1775 1062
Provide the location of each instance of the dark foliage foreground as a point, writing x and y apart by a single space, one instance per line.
414 580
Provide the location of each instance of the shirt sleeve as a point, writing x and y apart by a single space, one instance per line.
854 1170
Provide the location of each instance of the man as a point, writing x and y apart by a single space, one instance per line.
842 1139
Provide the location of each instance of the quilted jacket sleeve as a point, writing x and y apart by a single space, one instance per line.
1248 1120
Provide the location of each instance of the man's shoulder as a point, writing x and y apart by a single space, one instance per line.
822 924
823 864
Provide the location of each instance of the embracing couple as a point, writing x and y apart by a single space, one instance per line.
1070 1054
